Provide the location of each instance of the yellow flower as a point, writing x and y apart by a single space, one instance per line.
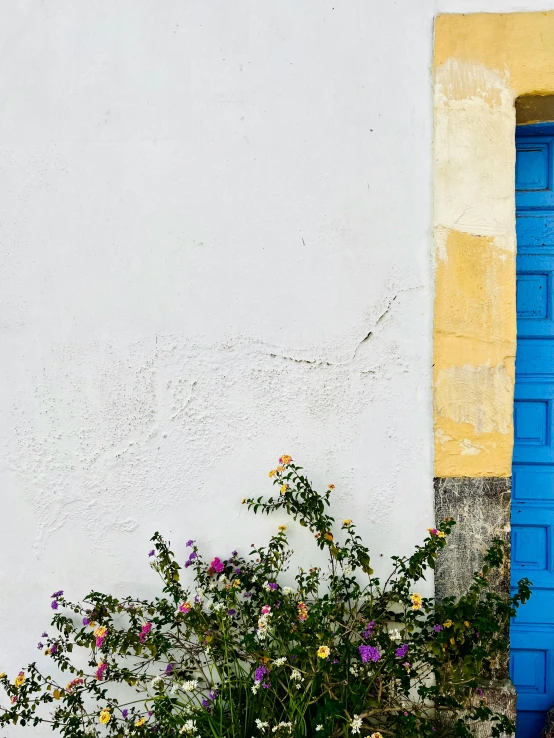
331 486
376 735
272 473
328 536
92 624
416 601
105 717
284 488
447 623
323 652
452 641
466 623
140 721
347 521
284 460
20 679
282 527
280 468
2 675
441 534
243 501
101 631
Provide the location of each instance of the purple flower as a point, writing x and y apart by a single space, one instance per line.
273 586
189 543
40 646
124 713
53 648
247 594
261 671
152 552
54 604
150 713
212 694
233 553
277 605
266 685
238 571
231 611
205 704
437 628
196 599
169 668
402 651
187 564
368 629
479 691
44 635
59 593
86 621
369 653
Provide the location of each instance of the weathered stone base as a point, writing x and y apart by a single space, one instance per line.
501 697
481 509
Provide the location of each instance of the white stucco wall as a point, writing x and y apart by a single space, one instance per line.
215 237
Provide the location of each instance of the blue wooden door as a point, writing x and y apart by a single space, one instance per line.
532 634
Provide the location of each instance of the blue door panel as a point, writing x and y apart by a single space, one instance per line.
535 232
534 359
532 631
532 550
534 296
534 172
531 484
533 414
532 667
540 611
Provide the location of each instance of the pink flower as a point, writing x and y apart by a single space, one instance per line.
101 671
184 607
144 631
266 609
216 566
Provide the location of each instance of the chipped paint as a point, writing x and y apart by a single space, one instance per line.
482 63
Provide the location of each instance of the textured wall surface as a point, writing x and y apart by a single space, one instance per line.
215 241
482 63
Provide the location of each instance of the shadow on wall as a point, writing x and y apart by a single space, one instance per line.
534 109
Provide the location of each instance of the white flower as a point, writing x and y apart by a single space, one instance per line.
189 726
255 687
347 570
297 676
156 682
213 585
395 635
190 685
175 689
287 590
218 606
267 587
354 670
280 662
260 725
356 724
319 727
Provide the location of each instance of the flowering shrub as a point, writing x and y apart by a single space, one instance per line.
237 653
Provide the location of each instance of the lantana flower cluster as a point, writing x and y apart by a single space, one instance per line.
239 646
